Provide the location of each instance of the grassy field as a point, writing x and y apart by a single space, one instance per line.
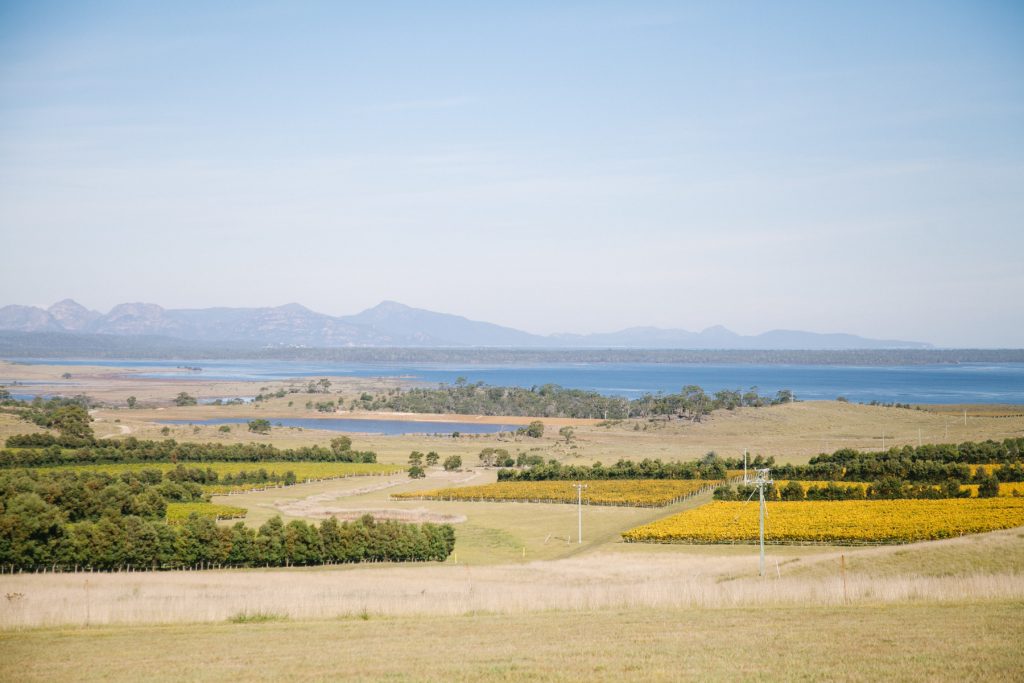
114 385
486 532
792 432
957 410
999 552
901 642
606 575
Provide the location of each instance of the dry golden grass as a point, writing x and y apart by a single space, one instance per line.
792 433
491 533
994 553
608 578
918 642
957 410
115 384
945 610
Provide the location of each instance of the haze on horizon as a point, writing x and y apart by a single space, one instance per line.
581 168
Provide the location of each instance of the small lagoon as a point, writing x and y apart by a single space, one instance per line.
356 426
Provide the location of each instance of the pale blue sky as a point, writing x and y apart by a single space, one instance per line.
585 167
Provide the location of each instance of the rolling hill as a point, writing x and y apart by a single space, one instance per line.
388 324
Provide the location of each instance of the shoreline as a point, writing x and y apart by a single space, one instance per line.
113 385
211 412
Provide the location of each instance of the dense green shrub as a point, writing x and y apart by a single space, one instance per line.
988 487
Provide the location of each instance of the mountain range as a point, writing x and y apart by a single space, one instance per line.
388 324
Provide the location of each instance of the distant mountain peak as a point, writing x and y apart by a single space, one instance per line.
429 328
65 304
71 315
388 307
294 308
388 304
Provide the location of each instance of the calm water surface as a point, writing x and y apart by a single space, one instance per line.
963 383
388 427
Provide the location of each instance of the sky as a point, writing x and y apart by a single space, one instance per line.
555 167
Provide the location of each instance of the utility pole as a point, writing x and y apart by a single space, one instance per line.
579 507
763 479
744 465
918 437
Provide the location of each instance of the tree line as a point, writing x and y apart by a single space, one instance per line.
919 471
710 468
888 488
927 464
977 452
30 540
931 463
552 400
38 450
68 520
208 477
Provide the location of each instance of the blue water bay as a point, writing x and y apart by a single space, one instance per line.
959 383
388 427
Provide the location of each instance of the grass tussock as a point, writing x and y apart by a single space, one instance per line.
256 617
